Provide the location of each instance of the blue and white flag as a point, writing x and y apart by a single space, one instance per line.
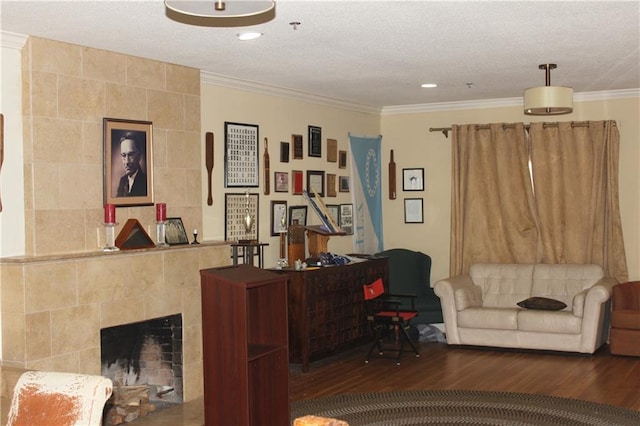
366 193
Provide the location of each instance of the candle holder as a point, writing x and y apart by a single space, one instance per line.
195 237
110 234
160 234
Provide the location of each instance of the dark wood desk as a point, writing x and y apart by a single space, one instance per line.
326 309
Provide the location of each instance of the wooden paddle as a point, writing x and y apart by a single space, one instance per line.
392 178
209 162
266 167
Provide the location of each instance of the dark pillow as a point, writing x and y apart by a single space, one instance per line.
542 303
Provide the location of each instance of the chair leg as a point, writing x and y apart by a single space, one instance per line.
413 345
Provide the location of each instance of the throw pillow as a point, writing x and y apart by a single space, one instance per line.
542 303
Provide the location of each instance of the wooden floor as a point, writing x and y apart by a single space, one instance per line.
600 377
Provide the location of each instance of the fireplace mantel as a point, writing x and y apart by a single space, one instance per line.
54 306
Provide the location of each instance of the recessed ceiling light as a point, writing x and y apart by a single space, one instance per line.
251 35
429 85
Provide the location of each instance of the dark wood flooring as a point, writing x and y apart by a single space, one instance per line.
601 377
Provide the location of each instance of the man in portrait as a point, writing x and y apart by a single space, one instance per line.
134 181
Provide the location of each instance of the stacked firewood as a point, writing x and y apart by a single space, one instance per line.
127 404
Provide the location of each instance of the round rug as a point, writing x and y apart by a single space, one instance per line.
451 407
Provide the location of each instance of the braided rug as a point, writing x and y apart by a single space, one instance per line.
451 407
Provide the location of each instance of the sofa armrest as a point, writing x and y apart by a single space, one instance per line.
446 290
596 316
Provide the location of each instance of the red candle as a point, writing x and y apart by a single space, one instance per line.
110 213
161 212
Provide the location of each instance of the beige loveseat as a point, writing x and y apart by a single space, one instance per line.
481 308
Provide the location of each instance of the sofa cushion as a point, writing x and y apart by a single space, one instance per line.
564 281
625 319
494 318
542 303
548 321
503 285
468 297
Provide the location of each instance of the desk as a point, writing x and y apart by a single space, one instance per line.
326 308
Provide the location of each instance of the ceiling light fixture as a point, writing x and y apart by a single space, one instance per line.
249 35
548 100
217 13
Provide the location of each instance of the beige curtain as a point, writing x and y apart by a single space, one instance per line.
575 175
492 201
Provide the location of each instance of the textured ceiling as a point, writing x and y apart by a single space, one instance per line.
373 53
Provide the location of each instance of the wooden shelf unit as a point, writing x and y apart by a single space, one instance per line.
244 346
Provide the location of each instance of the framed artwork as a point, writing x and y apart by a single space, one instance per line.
342 159
281 181
334 211
315 182
236 206
297 182
331 185
343 183
284 152
413 179
240 155
332 150
298 215
413 212
175 233
346 218
315 141
296 140
278 217
128 162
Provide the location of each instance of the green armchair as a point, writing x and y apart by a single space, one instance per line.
410 273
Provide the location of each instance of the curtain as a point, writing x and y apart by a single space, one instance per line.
492 207
575 177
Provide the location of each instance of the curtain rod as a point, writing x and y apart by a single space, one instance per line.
445 130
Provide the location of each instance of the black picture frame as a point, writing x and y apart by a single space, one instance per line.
315 141
315 182
344 184
298 152
235 206
136 138
413 210
284 152
278 217
281 181
297 215
174 232
342 159
346 218
241 156
413 179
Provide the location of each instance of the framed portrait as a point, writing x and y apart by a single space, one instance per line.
346 218
413 179
297 184
332 150
342 159
315 182
128 162
343 183
298 215
175 233
331 185
278 217
413 212
235 211
296 141
240 155
284 152
315 141
281 181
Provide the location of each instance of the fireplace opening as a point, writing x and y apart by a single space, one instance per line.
144 362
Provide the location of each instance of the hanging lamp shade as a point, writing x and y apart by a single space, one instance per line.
548 100
217 13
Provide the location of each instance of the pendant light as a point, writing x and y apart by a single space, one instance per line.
548 100
218 13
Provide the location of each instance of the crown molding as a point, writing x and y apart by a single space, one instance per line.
252 86
506 102
12 40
